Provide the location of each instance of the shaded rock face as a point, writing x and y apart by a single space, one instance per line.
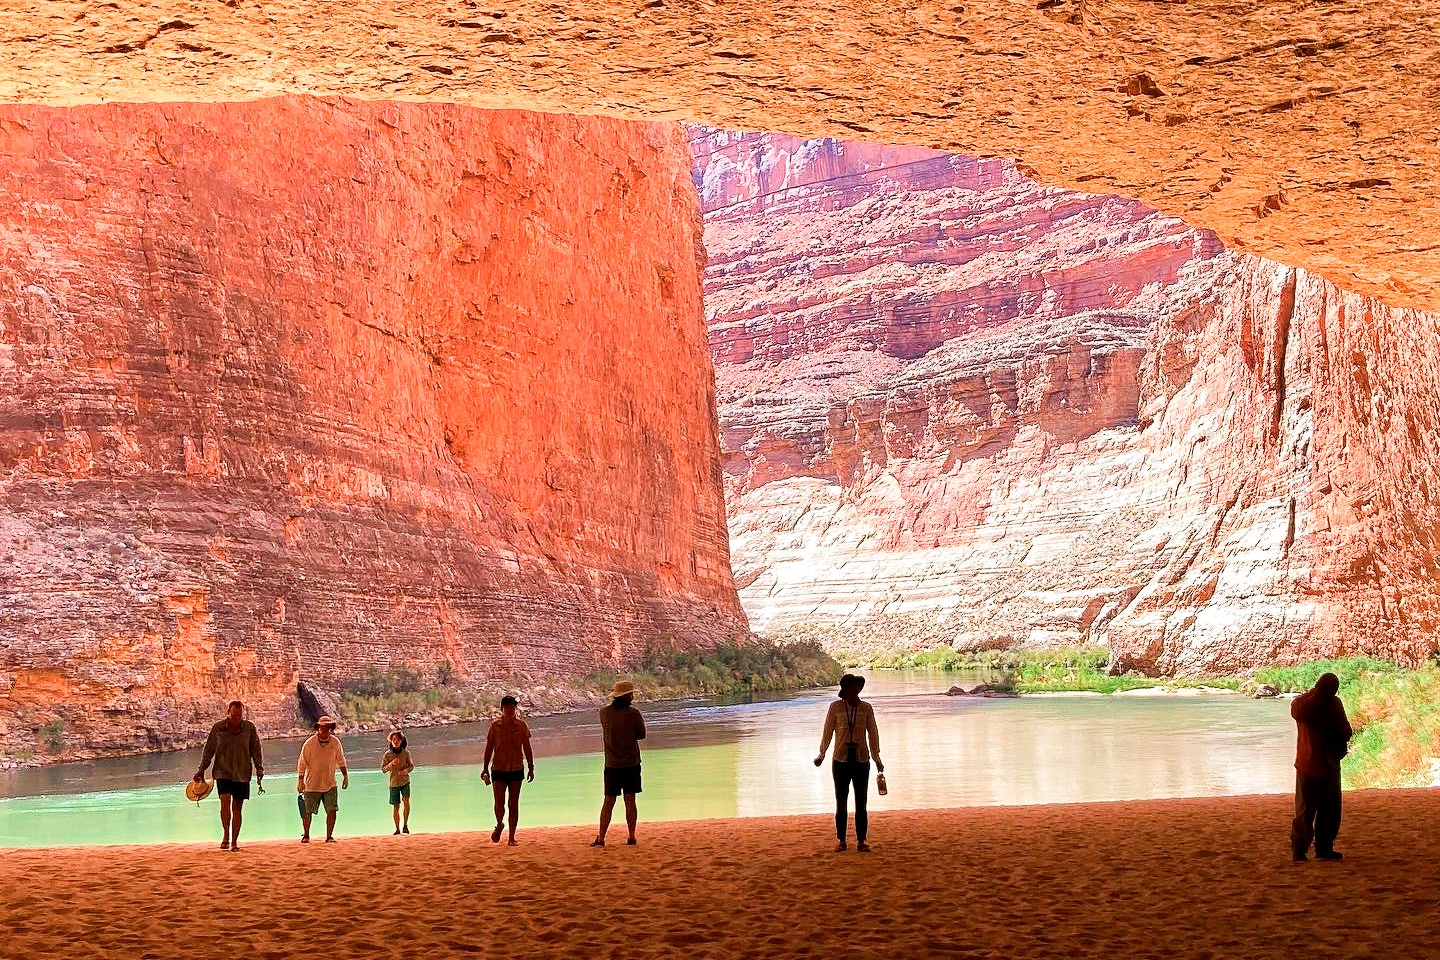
1306 132
295 388
959 407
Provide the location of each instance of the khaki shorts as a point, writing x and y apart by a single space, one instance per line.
331 799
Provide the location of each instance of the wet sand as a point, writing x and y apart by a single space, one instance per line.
1205 878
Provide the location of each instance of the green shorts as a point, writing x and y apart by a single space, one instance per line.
397 792
331 799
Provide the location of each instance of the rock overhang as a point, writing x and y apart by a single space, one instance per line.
1308 134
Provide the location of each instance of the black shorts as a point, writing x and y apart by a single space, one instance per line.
620 780
239 789
507 776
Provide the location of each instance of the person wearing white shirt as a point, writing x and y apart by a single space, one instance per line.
320 758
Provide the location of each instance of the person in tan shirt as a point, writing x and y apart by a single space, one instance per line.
507 744
851 721
397 764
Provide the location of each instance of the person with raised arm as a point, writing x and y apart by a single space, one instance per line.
1322 738
623 728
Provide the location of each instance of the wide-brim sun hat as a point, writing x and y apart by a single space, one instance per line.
326 721
621 688
198 790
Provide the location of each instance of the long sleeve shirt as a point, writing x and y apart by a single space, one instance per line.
235 751
318 763
398 765
1322 733
849 724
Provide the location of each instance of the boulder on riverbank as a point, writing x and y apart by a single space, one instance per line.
1259 691
980 690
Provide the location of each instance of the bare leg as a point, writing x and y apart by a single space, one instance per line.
631 815
395 815
499 787
329 824
224 821
235 807
514 808
606 809
407 813
305 825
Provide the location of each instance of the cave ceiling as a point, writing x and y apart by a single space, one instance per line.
1303 130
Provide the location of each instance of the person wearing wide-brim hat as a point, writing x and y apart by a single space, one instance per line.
851 721
320 758
624 728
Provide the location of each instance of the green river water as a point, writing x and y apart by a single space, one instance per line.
712 759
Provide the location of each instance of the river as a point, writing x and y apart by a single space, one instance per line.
707 759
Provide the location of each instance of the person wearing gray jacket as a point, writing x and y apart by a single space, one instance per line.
234 746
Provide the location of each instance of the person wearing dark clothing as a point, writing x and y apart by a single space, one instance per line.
851 721
623 728
1322 740
234 745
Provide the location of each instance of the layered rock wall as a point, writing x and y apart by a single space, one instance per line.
295 388
958 407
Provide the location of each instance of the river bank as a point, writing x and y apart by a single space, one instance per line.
718 757
1394 708
404 698
1098 880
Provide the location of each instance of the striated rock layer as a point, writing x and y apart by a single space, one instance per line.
1303 131
293 388
959 407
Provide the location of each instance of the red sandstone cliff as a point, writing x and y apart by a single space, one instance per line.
959 407
292 388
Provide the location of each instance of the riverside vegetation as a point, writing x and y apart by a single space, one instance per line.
728 669
1394 709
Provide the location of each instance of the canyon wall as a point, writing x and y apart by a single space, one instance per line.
958 407
295 388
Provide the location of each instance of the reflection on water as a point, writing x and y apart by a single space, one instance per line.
714 760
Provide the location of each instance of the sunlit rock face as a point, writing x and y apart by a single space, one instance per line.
959 407
293 388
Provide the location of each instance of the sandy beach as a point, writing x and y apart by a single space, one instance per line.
1205 878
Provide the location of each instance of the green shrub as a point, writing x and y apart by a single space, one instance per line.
53 735
729 668
377 683
1043 670
1350 670
1394 711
